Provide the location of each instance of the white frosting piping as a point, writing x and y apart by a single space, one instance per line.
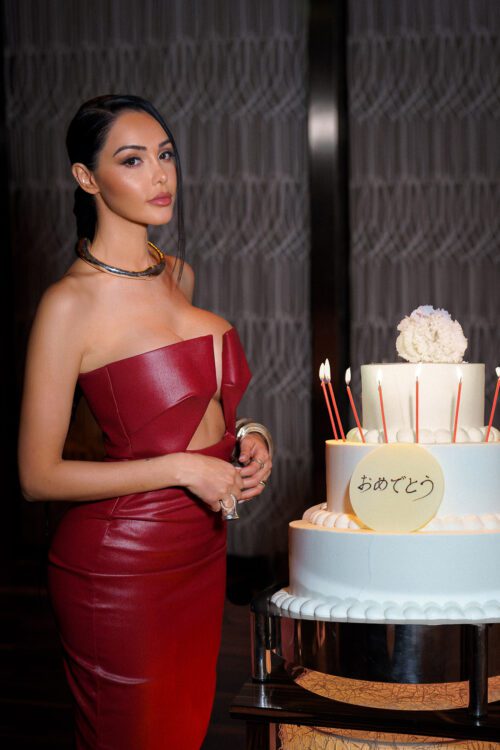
426 437
320 516
353 610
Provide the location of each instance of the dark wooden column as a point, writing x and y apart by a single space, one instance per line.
329 172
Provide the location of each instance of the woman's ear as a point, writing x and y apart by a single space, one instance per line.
84 178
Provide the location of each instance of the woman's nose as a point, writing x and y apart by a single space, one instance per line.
159 174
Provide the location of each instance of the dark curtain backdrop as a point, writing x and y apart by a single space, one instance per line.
230 78
424 109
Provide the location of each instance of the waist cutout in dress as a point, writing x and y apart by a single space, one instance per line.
151 404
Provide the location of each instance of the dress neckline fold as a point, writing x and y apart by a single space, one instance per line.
193 339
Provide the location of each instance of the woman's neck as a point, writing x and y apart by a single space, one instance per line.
124 244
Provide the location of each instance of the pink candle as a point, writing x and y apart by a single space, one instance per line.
353 407
494 405
457 407
332 396
322 378
381 399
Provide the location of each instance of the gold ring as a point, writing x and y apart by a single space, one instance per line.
258 461
262 482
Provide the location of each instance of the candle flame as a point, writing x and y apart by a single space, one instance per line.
379 377
459 374
497 370
348 376
322 372
418 371
328 374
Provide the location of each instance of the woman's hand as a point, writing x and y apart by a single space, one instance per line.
209 478
258 464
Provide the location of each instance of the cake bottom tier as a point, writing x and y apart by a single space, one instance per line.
365 576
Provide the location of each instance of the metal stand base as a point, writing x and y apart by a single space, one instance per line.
478 670
398 653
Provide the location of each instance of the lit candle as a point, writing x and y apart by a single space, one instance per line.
417 403
332 396
381 399
457 406
494 405
353 407
323 379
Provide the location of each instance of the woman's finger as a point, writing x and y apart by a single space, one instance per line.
260 463
252 446
249 471
255 467
252 492
253 479
257 483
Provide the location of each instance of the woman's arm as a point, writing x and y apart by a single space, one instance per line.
54 354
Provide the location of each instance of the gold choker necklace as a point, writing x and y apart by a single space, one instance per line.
83 251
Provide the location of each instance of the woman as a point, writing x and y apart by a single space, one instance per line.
137 565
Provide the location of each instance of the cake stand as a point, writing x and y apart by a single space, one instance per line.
286 646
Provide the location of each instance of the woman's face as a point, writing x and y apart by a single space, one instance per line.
136 175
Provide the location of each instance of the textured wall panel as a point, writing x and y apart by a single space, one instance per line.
424 107
230 78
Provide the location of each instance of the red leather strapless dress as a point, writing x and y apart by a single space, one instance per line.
137 582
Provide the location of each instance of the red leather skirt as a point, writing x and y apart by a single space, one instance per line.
137 585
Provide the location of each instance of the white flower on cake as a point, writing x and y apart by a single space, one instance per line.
429 335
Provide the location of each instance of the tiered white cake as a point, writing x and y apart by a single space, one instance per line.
449 569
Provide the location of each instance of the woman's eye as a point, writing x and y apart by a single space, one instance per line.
130 162
167 155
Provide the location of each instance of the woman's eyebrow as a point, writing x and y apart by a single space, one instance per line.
141 148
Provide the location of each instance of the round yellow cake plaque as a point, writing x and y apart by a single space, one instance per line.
397 488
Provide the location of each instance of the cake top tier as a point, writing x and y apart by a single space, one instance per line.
438 394
429 335
433 345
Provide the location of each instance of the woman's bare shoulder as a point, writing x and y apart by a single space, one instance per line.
65 294
59 311
60 297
